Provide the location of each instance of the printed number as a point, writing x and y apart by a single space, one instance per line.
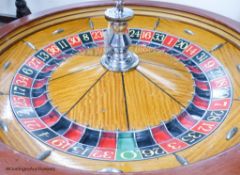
215 116
80 150
44 56
206 127
21 101
103 154
191 50
158 37
60 143
85 37
22 81
62 44
221 83
74 40
128 155
24 112
181 45
220 104
97 35
174 146
146 35
19 91
32 124
152 152
53 50
170 41
222 93
35 63
191 137
210 64
27 71
201 56
134 33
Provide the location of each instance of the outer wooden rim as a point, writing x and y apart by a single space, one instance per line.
226 163
5 30
222 164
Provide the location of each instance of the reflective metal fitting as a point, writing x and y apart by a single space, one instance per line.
110 170
117 57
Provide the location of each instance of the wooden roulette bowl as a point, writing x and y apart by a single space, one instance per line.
176 113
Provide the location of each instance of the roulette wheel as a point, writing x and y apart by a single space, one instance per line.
99 88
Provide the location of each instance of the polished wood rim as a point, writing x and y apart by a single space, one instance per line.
224 163
8 28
